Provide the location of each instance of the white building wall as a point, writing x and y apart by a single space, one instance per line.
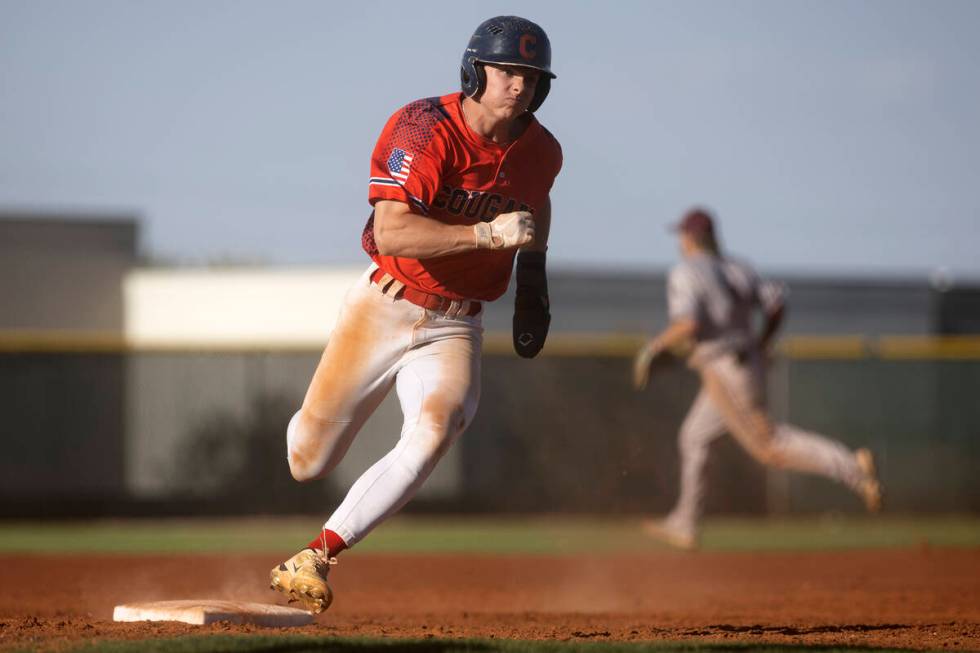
250 307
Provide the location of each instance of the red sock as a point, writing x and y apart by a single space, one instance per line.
334 543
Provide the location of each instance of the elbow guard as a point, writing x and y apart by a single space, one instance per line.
532 315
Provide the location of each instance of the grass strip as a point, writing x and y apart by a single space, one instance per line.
497 535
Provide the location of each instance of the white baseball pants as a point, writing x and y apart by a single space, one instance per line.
732 399
434 363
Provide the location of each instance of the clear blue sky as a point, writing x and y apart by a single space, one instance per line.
831 137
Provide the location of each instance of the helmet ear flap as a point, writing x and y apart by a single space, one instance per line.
540 92
472 78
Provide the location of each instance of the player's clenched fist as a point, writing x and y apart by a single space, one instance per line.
507 230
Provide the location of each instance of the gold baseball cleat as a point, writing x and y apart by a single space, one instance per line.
303 578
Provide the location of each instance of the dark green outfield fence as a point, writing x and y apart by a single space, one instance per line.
101 430
921 417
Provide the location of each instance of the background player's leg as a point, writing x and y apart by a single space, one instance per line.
355 373
739 392
794 448
703 424
438 387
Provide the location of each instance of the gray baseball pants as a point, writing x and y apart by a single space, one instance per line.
732 399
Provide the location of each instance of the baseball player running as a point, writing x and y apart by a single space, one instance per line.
460 186
711 303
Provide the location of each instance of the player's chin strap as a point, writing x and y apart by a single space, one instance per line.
532 316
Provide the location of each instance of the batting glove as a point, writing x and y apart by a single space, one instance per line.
506 231
642 364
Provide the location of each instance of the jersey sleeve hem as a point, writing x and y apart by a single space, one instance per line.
386 188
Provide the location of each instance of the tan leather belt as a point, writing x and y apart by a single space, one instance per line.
451 307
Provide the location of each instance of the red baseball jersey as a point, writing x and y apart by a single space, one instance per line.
428 157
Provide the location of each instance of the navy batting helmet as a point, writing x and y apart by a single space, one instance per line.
507 40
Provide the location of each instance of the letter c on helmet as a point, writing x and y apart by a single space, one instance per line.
526 48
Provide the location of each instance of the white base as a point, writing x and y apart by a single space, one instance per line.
200 612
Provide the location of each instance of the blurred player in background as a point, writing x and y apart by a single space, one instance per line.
712 301
460 185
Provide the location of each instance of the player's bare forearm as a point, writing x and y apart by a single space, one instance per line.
672 339
677 333
400 232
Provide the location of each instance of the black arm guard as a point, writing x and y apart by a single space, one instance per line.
531 315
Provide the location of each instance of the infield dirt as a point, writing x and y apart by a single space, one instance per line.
921 598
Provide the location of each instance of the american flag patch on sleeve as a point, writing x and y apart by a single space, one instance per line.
399 164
